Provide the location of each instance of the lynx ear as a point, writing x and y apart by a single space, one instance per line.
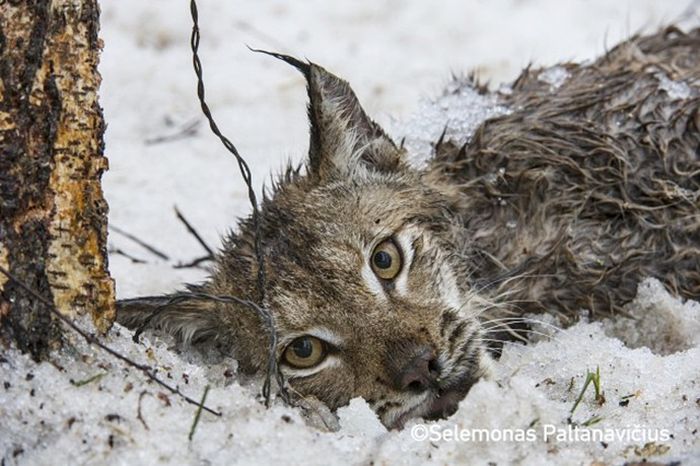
188 320
344 140
199 321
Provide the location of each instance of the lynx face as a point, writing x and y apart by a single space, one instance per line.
363 283
364 275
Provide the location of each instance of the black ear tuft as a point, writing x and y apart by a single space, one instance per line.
304 67
344 140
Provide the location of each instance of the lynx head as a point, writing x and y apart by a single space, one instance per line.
365 275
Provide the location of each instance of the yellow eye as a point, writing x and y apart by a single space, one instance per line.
386 260
305 352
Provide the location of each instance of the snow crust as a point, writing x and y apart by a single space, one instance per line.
457 113
83 407
555 76
675 89
394 55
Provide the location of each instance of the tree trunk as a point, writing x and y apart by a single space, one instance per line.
53 217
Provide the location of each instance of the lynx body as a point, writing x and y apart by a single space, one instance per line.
383 278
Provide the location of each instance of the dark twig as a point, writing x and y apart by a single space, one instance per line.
80 383
198 413
140 242
119 252
193 263
147 370
196 262
187 130
193 232
245 173
139 414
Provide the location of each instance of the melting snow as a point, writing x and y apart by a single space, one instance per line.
555 76
458 112
83 407
676 89
110 414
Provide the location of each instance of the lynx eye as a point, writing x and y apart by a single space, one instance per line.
305 352
386 260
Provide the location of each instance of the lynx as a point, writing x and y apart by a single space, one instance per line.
383 278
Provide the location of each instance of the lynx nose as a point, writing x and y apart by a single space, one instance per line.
421 372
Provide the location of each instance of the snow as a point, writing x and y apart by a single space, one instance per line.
458 112
58 413
655 323
396 55
555 76
675 89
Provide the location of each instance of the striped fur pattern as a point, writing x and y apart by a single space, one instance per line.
564 204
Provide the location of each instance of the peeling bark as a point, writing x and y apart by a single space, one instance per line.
53 217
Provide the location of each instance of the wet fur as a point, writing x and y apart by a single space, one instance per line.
564 204
599 181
